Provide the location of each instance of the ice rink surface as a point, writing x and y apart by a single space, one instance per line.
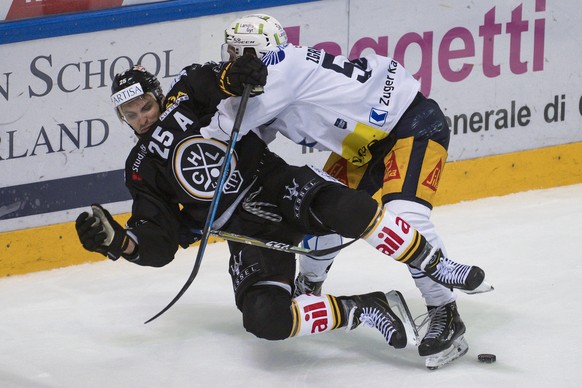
83 326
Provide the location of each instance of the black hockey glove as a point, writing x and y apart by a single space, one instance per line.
101 233
247 69
188 233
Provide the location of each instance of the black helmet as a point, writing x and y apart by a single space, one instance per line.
133 83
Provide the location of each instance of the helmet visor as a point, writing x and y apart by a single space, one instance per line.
227 52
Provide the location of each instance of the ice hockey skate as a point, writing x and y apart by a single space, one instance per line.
373 310
443 341
467 278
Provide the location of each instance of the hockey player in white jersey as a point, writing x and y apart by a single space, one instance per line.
385 137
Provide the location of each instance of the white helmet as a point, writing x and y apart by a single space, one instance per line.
258 32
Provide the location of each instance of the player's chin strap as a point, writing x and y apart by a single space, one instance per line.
214 204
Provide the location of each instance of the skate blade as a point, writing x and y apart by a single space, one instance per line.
458 349
398 305
483 287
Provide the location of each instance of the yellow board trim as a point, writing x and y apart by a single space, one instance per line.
55 246
510 173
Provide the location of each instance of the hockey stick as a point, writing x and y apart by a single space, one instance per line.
278 246
284 247
214 203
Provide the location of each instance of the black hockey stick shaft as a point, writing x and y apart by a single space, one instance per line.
279 246
215 199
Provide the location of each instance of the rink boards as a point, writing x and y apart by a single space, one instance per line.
54 246
505 75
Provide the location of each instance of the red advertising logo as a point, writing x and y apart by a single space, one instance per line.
339 170
392 171
21 9
318 312
432 180
391 241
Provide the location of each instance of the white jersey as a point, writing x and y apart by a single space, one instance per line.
324 101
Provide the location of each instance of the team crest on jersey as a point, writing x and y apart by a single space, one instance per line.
197 162
273 57
378 117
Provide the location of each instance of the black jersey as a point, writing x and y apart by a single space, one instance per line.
173 167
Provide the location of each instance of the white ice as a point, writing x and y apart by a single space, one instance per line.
83 326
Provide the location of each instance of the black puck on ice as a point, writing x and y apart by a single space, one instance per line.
487 358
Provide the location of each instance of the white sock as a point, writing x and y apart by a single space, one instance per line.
315 268
418 216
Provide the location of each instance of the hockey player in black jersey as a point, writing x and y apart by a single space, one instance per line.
171 174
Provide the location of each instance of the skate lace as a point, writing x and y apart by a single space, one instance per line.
377 319
437 322
451 273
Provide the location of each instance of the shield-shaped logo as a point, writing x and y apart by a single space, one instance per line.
378 117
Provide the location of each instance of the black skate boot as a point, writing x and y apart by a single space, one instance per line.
373 310
444 271
305 286
445 326
444 341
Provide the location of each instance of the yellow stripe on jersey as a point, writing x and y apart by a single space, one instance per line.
355 145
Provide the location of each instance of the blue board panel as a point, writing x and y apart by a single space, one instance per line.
62 194
129 16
